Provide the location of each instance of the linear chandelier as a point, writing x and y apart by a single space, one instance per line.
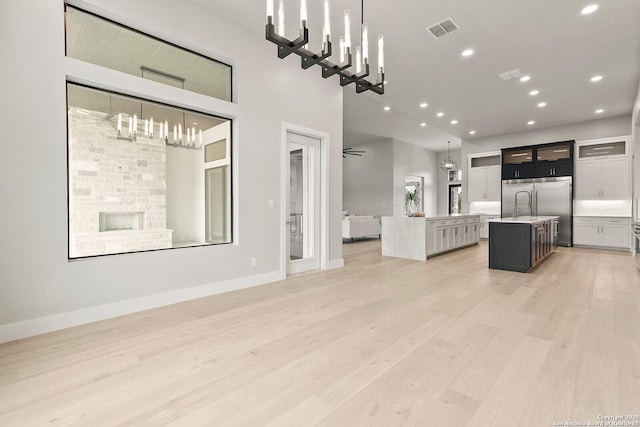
299 46
179 139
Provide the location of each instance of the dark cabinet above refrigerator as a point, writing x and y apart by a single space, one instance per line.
538 161
517 163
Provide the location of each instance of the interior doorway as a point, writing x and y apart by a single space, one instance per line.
455 198
303 203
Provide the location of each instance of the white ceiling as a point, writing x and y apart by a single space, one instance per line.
547 39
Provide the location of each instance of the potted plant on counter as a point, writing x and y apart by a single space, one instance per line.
412 200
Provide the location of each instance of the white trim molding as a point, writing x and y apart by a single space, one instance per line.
41 325
324 193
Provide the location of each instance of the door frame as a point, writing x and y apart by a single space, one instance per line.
324 192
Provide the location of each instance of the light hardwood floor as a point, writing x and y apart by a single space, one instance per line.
381 342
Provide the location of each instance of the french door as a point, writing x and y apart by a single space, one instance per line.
303 203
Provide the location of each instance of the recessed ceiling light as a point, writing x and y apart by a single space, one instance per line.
531 122
423 124
454 122
472 132
599 111
467 52
589 9
440 114
525 78
596 79
542 104
387 108
534 92
424 105
195 123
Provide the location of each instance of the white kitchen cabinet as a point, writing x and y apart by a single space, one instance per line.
603 171
449 234
586 231
484 177
607 232
483 232
484 184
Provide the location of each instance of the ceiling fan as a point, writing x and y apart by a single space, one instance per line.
352 152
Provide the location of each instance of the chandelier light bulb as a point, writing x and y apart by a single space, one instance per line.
269 9
341 49
326 27
303 13
358 60
151 127
347 29
365 43
280 26
381 53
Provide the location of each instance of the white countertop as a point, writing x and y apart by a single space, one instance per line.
431 218
603 216
524 219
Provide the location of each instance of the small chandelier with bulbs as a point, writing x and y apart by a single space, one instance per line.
299 46
448 164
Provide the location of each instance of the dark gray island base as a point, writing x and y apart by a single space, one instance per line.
522 243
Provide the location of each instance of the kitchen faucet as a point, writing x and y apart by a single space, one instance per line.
515 208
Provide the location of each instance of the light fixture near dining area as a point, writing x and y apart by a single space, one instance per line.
448 164
275 32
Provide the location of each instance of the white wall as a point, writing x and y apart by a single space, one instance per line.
36 279
368 180
602 128
409 159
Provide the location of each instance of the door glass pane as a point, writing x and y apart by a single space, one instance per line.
215 151
300 208
218 224
455 199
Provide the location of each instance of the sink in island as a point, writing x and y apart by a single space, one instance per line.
521 243
419 238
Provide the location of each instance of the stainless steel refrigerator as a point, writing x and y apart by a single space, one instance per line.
548 196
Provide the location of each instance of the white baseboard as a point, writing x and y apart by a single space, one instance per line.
41 325
335 263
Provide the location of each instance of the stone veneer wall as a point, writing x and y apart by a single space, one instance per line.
107 174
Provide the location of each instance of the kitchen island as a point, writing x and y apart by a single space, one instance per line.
521 243
419 238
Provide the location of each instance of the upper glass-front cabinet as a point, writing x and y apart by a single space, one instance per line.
554 153
99 41
517 156
601 150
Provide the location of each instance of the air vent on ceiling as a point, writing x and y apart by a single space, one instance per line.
513 74
443 28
